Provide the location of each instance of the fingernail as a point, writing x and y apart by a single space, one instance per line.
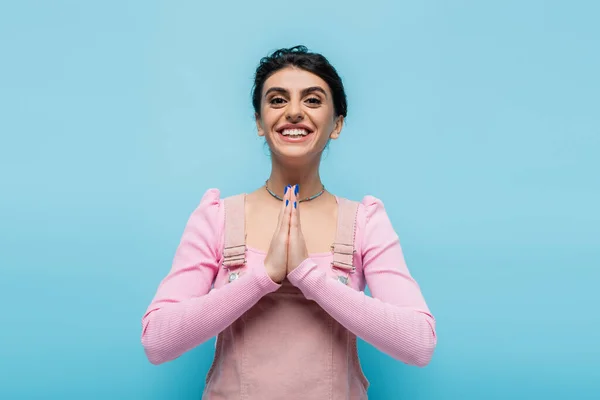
294 204
296 190
285 190
287 202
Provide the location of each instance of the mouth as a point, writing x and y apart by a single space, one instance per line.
294 133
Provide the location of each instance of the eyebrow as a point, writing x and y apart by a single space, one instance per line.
304 91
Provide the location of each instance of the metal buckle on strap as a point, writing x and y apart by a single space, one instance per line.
234 247
344 266
234 256
231 261
347 252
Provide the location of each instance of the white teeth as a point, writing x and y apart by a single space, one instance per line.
294 132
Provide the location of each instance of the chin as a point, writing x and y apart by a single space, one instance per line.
294 154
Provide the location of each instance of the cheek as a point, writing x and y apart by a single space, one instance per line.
326 123
323 117
269 119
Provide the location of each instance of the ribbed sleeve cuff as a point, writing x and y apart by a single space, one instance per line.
264 281
306 277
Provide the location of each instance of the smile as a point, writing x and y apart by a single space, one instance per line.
294 133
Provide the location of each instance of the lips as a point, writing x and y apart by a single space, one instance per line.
294 129
295 133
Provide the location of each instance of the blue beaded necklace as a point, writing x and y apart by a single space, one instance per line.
299 201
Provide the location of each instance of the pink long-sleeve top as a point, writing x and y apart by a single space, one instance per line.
185 312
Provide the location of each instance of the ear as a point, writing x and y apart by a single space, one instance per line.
259 127
337 128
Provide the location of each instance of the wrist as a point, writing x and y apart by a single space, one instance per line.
274 274
301 266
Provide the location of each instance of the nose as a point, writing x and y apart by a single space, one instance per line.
294 113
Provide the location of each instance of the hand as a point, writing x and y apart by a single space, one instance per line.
297 251
277 256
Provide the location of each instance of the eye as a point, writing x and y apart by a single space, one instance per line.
314 100
277 100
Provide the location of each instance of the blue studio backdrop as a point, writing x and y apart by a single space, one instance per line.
477 124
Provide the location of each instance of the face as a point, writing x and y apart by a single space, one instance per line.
297 115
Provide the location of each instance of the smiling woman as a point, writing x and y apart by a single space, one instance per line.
282 285
298 97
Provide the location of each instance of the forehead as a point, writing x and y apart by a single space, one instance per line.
294 79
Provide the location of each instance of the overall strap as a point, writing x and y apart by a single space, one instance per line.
343 247
234 249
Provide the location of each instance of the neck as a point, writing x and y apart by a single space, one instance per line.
306 176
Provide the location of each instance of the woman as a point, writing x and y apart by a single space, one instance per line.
278 274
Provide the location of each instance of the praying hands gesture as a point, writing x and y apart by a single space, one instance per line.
288 248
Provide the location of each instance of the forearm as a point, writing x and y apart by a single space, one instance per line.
172 328
406 334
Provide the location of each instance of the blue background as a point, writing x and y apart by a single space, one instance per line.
477 123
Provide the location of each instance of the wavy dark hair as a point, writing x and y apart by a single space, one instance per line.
300 57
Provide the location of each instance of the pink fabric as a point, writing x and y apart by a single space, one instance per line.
185 312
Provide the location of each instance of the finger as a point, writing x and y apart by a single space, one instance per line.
294 220
286 191
285 220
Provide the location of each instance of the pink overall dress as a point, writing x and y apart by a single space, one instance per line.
285 346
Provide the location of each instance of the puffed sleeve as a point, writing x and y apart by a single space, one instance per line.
410 326
185 312
395 319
